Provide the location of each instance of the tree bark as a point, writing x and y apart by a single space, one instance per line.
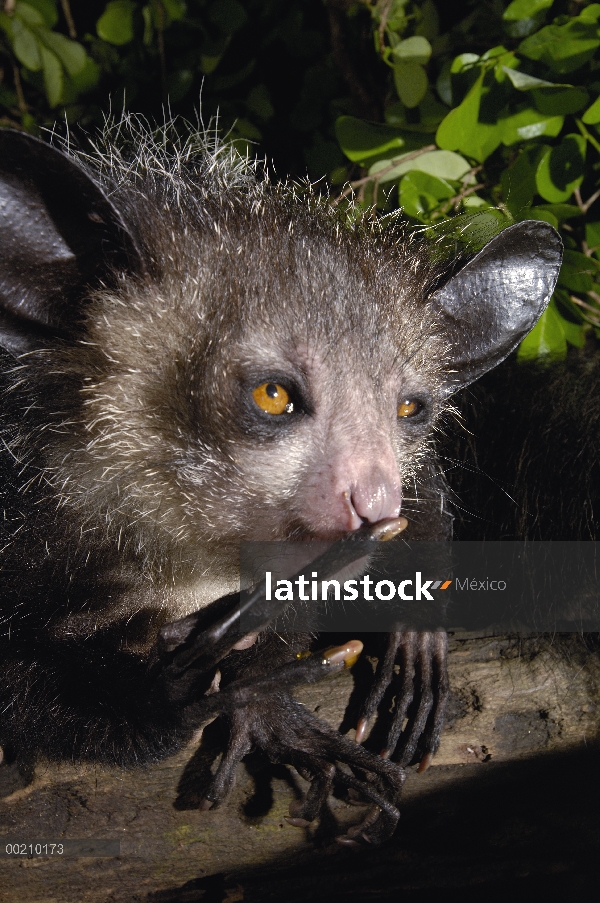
523 719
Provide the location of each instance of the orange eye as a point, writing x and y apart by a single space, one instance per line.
272 399
409 408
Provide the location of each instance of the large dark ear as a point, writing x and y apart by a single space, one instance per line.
59 235
498 297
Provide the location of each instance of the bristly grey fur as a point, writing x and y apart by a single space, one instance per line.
234 268
133 456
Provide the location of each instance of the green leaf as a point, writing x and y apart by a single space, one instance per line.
550 98
580 263
546 338
53 76
416 50
572 320
474 230
115 25
26 46
411 82
463 61
561 211
159 14
430 20
420 193
524 16
361 140
574 332
27 13
518 181
431 112
592 114
520 9
6 24
247 129
175 10
87 77
443 84
523 82
591 13
501 55
440 189
563 48
71 54
228 15
539 213
208 64
259 102
444 164
46 8
560 100
462 131
473 200
29 124
575 280
528 124
592 237
439 163
561 169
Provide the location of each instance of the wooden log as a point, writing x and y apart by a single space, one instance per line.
512 700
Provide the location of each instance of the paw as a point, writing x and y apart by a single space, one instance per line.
288 734
420 689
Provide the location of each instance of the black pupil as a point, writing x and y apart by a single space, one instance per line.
271 390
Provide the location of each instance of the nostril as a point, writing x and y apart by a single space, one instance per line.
377 502
354 520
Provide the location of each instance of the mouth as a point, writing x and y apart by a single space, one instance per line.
381 531
385 529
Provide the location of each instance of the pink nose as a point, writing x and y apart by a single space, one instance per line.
358 484
375 497
378 498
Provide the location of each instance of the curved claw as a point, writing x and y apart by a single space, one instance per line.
425 762
422 691
361 729
296 822
348 841
377 827
288 734
383 678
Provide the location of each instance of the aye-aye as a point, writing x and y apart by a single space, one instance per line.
192 356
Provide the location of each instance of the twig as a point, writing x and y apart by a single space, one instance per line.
385 11
19 90
465 193
69 19
358 183
584 206
587 135
589 252
594 314
10 123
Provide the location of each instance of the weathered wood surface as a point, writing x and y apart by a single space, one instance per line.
512 801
